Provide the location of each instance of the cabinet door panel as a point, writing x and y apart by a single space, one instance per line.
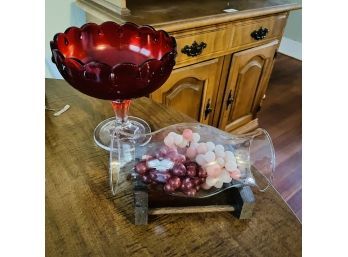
249 73
246 87
190 89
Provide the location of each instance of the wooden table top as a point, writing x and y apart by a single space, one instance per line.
84 219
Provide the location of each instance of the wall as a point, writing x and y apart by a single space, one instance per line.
292 40
59 15
293 29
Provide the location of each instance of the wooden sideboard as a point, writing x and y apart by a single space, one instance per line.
222 77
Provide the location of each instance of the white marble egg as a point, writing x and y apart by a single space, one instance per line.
196 137
225 176
231 165
183 143
211 146
178 139
220 161
229 156
218 184
210 181
209 156
193 144
219 148
169 141
200 159
172 134
219 153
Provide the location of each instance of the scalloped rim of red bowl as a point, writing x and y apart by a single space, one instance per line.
54 47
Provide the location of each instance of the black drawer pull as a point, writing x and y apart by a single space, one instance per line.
259 34
194 50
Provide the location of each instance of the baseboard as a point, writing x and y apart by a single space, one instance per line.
291 48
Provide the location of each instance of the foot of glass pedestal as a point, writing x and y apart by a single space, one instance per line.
135 126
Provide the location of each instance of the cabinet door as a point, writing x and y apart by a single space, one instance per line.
247 82
191 90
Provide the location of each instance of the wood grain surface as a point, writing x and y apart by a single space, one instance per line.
182 14
281 116
84 219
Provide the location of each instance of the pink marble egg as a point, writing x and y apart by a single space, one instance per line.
187 134
172 150
205 186
235 174
172 155
163 151
214 170
191 153
180 158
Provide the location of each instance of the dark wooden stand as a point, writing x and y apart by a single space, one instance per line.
239 201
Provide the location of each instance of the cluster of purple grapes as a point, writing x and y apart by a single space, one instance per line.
186 176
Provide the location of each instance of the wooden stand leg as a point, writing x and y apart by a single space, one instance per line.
245 203
140 204
239 201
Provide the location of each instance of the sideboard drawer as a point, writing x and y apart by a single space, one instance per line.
258 30
202 44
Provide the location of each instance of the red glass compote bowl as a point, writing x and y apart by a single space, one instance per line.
118 63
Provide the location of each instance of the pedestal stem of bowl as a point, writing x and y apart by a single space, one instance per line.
121 108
